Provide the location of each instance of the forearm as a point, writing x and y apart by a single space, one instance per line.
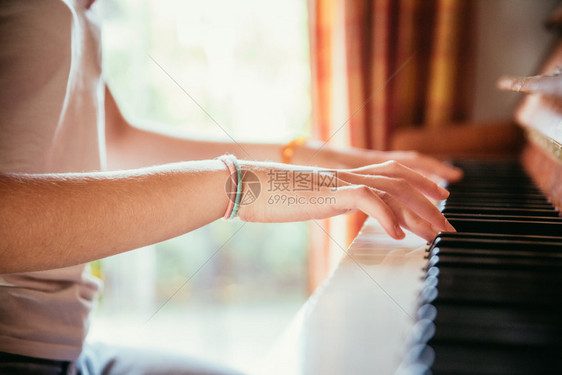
132 147
51 221
137 147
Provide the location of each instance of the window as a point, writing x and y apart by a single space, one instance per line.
226 291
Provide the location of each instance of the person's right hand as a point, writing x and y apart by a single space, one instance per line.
395 195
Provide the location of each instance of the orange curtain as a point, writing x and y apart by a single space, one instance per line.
321 27
408 63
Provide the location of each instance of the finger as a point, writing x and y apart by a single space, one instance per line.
397 170
410 220
364 198
437 168
426 164
414 199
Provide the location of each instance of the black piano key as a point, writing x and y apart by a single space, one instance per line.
492 237
511 195
489 257
467 184
496 253
499 243
478 359
523 287
545 228
503 166
513 183
495 217
528 202
489 324
537 263
498 204
474 210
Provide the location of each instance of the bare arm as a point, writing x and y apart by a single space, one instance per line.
129 146
56 220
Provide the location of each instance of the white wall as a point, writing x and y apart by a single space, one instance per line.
511 40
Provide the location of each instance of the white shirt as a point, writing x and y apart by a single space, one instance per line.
51 120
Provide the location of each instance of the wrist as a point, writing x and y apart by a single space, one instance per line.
233 186
210 185
315 153
288 150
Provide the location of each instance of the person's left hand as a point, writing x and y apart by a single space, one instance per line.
317 153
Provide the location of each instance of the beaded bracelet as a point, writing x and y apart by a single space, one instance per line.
236 176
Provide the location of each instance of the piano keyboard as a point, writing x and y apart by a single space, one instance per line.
492 296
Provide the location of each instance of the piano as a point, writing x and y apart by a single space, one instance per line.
484 300
490 302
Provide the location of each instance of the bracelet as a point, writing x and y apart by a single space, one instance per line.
238 188
231 170
288 150
236 176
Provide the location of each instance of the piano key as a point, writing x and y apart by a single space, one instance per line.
475 323
519 243
497 255
504 217
478 359
514 195
493 237
547 228
502 286
471 210
498 204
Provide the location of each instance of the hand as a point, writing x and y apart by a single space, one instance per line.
393 194
317 153
424 164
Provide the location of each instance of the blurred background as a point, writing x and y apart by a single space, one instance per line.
226 291
385 74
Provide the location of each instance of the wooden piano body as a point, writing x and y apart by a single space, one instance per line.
365 318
